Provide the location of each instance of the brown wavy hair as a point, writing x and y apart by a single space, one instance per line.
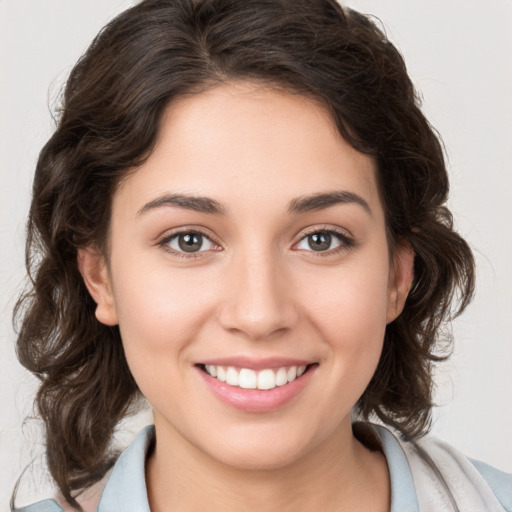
141 61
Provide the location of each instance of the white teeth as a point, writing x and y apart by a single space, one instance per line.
221 374
212 370
266 379
291 374
247 379
250 379
281 378
232 377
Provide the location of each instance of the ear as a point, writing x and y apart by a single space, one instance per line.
94 270
401 276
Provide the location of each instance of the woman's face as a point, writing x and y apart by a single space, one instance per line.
251 244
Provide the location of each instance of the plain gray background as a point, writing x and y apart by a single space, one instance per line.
459 56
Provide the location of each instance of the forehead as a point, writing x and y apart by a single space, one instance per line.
239 141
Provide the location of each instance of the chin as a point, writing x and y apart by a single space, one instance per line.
261 459
260 450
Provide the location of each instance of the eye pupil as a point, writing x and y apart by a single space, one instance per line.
190 242
319 241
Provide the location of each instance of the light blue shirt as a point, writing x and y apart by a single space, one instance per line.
125 490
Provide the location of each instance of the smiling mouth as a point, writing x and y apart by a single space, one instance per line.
264 379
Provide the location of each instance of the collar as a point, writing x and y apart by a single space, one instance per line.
403 490
126 487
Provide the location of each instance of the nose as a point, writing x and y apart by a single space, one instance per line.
258 302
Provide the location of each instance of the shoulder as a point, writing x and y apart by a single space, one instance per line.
87 499
122 488
429 474
441 473
499 481
48 505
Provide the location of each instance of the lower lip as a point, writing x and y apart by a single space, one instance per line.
256 400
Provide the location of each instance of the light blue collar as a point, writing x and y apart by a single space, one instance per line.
403 491
126 487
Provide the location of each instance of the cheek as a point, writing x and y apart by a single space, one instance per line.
159 308
161 312
349 307
354 296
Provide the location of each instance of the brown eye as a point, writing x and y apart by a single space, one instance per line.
323 241
190 242
320 241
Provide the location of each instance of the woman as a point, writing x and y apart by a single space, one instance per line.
241 218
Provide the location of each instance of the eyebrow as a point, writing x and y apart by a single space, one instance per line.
309 203
321 201
196 203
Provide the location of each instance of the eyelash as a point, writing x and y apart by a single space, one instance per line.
346 242
164 243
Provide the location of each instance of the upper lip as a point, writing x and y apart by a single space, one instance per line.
252 363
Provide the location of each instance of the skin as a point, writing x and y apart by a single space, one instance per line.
257 290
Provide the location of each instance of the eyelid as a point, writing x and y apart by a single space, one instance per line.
346 239
164 240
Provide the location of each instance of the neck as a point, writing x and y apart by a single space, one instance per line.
333 477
